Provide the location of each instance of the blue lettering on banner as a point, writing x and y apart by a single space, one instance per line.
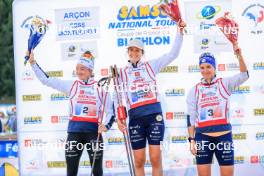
140 24
77 32
140 17
134 24
204 25
158 40
77 23
76 15
8 149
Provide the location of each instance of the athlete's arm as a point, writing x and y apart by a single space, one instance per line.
191 118
191 108
61 85
109 111
234 81
164 60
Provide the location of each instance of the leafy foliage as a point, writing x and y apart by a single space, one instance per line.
7 72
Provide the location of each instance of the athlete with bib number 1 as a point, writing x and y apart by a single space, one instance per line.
88 102
208 119
138 79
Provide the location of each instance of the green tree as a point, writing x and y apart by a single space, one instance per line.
7 71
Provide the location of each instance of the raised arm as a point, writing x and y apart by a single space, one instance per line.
238 53
61 85
234 81
164 60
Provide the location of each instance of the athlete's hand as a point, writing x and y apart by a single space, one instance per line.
193 148
236 49
181 26
121 126
31 59
102 128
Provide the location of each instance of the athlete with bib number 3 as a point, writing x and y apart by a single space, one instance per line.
208 120
88 102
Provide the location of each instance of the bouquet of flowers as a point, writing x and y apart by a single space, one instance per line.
229 27
38 28
172 10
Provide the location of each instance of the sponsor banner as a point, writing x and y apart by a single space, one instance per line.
201 16
77 23
105 28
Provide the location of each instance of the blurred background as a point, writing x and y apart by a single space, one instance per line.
8 120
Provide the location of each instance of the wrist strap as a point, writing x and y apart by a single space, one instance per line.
190 139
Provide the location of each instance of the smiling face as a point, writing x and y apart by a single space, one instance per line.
207 71
134 54
83 72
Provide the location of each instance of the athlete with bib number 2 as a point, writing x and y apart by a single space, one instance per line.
208 121
88 102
